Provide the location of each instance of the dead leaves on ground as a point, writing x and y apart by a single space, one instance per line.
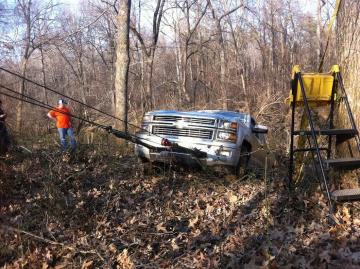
114 216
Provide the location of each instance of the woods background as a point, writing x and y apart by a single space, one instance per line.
102 208
184 54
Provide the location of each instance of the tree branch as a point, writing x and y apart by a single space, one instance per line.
230 11
141 40
198 21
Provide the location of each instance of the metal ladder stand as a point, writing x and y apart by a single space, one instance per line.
314 90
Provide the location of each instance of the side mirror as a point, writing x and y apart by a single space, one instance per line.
260 129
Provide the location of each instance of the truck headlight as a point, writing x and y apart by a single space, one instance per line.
144 129
147 118
228 125
227 136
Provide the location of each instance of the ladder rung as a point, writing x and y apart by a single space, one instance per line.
343 163
309 149
341 134
346 195
337 132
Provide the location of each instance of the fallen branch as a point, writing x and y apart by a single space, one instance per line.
48 241
26 149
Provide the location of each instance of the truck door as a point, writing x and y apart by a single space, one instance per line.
258 147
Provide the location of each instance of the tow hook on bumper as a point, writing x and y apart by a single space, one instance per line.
219 150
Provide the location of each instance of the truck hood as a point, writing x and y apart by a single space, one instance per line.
212 114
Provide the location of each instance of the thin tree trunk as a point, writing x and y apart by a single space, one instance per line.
223 77
185 95
149 92
24 63
122 65
20 107
178 63
44 83
222 53
318 32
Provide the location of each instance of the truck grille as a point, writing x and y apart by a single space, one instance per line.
172 131
199 121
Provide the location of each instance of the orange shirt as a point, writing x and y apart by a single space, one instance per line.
62 120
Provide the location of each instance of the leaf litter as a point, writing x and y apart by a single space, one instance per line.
104 211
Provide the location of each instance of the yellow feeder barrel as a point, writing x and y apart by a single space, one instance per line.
318 88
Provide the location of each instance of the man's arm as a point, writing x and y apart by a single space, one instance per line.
51 116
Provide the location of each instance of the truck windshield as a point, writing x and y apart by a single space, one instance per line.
243 118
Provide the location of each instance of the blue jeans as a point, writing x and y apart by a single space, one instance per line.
63 132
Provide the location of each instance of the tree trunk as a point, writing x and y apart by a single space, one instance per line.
348 44
184 84
318 32
122 65
223 88
149 64
24 62
178 63
19 112
46 99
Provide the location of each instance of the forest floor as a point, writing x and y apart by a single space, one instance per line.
106 211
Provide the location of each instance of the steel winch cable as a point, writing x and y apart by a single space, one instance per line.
75 100
109 129
38 103
127 136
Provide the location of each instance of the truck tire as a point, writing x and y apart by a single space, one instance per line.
142 159
242 166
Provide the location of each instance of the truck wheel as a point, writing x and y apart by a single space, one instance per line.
241 168
142 159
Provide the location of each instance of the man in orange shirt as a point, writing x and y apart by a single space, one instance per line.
63 122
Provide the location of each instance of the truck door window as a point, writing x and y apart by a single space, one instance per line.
244 118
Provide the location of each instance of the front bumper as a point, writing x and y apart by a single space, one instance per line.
217 153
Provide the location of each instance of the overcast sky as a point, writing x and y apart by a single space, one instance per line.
308 5
71 3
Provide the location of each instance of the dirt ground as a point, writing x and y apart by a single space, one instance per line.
109 211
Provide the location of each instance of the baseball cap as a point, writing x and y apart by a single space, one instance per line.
62 102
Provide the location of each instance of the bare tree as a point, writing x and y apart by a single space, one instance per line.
35 17
191 26
319 29
122 64
149 51
222 51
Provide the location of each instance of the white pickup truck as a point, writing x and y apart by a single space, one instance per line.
225 138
